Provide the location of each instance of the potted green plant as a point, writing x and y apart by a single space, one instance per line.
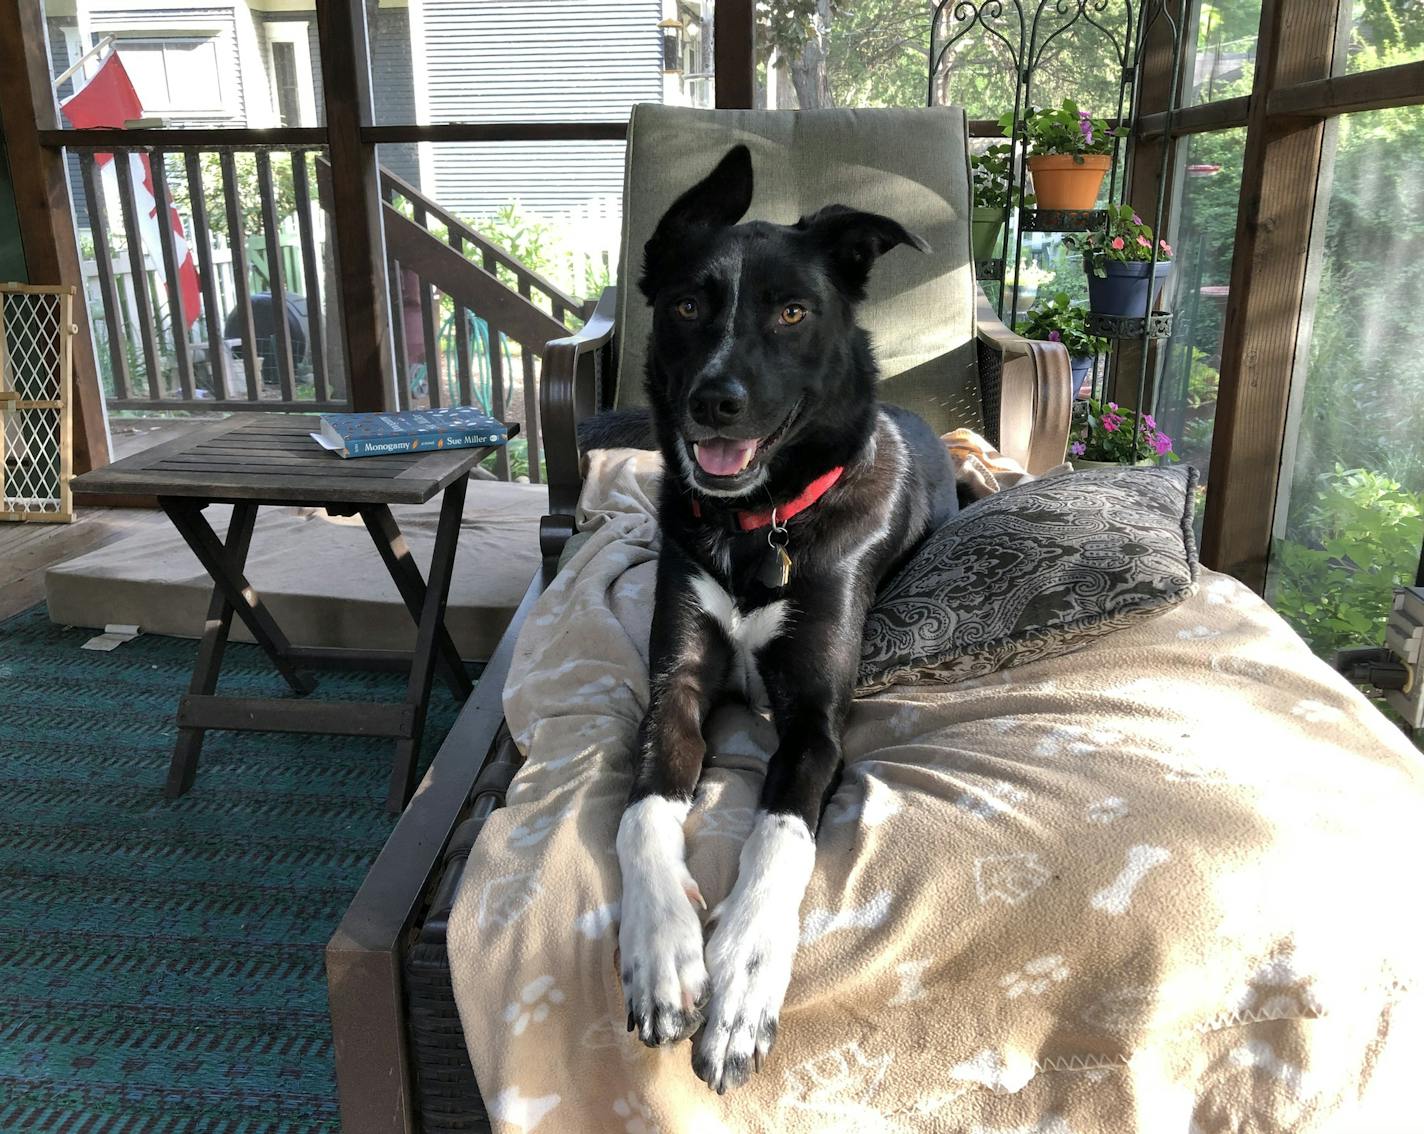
989 174
1059 320
1125 268
1108 435
1070 153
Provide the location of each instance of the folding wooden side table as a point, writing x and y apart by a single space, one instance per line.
251 460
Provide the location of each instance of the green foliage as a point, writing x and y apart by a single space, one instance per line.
249 191
1196 437
1126 239
989 174
525 236
1067 268
1114 433
1059 320
1334 579
1385 32
1203 380
1366 386
1063 130
1072 60
1365 389
518 453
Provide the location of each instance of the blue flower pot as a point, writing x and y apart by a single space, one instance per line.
1082 372
1124 290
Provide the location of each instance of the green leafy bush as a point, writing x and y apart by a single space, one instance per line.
989 173
1359 539
526 237
1058 320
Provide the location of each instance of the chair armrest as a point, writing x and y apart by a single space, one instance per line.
1035 400
570 389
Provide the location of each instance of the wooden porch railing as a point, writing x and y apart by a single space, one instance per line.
471 320
150 359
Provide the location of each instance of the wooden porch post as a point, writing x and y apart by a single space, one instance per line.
42 202
734 61
1269 305
356 206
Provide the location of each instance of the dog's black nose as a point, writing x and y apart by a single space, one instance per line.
718 403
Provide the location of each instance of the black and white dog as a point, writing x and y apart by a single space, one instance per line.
789 494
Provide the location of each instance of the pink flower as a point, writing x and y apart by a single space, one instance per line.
1162 443
1055 337
1111 422
1142 240
1166 248
1112 405
1149 421
1077 448
1117 243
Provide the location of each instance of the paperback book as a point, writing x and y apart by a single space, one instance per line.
377 434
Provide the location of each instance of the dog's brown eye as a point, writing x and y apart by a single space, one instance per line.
687 308
792 314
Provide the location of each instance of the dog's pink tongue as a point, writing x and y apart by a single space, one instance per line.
724 456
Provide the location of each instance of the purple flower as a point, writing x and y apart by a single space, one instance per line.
1055 337
1085 124
1077 448
1162 443
1149 421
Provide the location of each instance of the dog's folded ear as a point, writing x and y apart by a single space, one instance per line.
853 240
719 200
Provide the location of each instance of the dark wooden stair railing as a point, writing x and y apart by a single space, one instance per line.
443 265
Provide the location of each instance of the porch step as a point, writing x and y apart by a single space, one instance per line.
319 575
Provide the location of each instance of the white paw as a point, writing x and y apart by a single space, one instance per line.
659 936
749 974
750 954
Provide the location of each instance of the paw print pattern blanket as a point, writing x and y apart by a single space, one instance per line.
1167 883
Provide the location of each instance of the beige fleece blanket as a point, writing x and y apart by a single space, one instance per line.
1165 884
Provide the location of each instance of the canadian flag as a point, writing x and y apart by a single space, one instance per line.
109 100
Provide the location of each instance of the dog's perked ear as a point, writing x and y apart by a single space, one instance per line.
854 240
719 200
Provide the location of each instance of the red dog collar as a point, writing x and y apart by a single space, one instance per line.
750 521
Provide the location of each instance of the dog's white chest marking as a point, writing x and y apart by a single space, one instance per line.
748 632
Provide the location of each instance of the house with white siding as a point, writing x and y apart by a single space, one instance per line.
254 63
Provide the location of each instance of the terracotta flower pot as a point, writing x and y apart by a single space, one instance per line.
1066 181
986 225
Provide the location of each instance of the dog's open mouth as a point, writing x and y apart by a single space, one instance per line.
732 456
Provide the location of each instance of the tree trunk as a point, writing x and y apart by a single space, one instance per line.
808 73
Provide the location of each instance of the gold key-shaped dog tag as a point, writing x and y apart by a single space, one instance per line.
776 564
775 568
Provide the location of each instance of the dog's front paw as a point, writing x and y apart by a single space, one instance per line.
660 962
750 968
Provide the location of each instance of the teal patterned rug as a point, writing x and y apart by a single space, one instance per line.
161 963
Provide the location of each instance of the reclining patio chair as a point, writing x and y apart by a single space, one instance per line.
941 350
402 1052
